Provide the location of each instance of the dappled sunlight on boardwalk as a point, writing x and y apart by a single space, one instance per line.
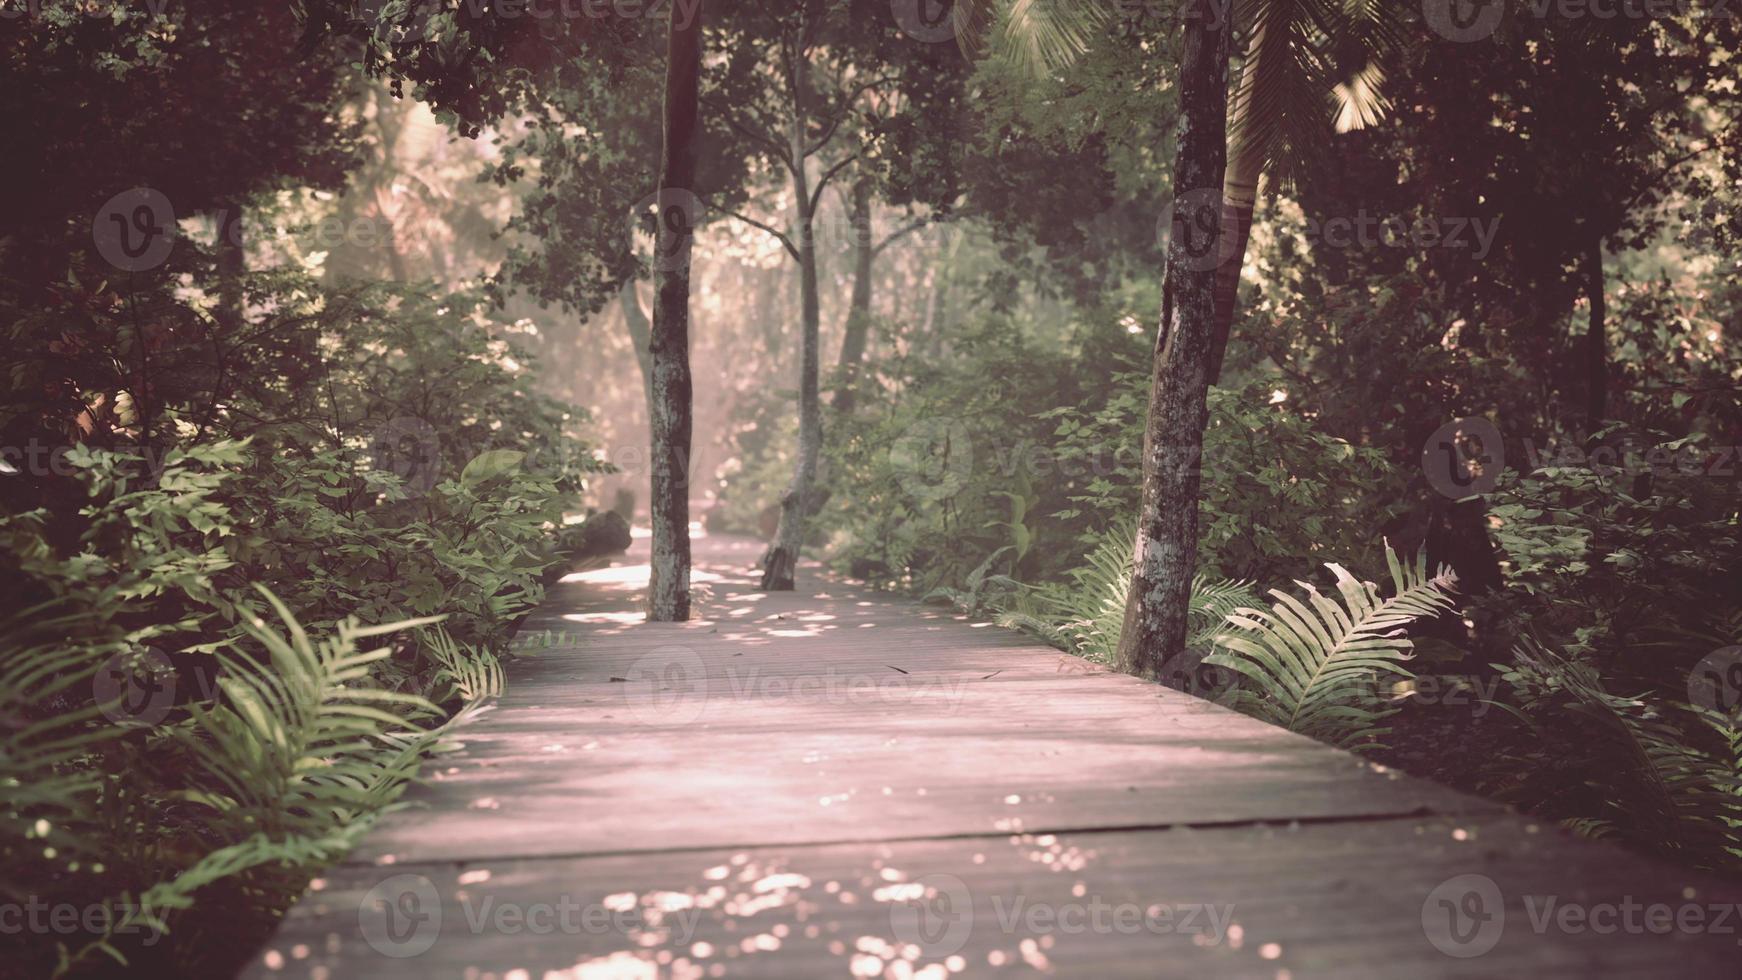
832 782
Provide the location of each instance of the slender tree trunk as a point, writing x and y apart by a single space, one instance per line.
669 587
1239 200
859 309
1167 535
640 335
232 262
1596 341
780 565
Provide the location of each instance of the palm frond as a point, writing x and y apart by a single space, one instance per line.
1311 67
1314 666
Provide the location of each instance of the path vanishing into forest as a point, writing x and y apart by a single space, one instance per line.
834 782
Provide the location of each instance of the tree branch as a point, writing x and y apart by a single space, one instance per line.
778 234
828 175
906 229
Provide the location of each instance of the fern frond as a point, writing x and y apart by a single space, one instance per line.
1087 615
1314 666
294 746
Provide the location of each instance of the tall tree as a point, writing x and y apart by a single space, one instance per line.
669 589
799 111
1167 532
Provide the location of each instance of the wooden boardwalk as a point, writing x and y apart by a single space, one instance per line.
835 783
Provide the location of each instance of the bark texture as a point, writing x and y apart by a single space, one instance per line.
668 591
1239 199
1167 535
858 327
780 565
1596 341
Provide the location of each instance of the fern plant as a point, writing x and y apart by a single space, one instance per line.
1085 615
1655 771
463 671
1314 666
302 742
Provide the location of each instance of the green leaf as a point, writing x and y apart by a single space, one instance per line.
489 464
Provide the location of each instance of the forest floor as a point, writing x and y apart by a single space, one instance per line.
835 782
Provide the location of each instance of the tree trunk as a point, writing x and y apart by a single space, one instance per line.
232 262
668 590
780 565
859 310
1239 200
1596 342
1167 535
640 335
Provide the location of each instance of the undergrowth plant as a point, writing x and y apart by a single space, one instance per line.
1319 666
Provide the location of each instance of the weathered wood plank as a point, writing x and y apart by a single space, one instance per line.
832 782
1355 899
843 715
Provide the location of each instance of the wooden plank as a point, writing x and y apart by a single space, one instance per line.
1345 900
843 715
833 782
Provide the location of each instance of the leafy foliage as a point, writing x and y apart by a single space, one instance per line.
1317 669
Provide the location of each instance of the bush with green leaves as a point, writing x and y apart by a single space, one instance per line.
1012 445
345 464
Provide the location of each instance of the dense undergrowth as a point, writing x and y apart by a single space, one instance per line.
1593 674
245 612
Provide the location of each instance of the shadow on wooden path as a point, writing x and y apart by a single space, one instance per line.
832 782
